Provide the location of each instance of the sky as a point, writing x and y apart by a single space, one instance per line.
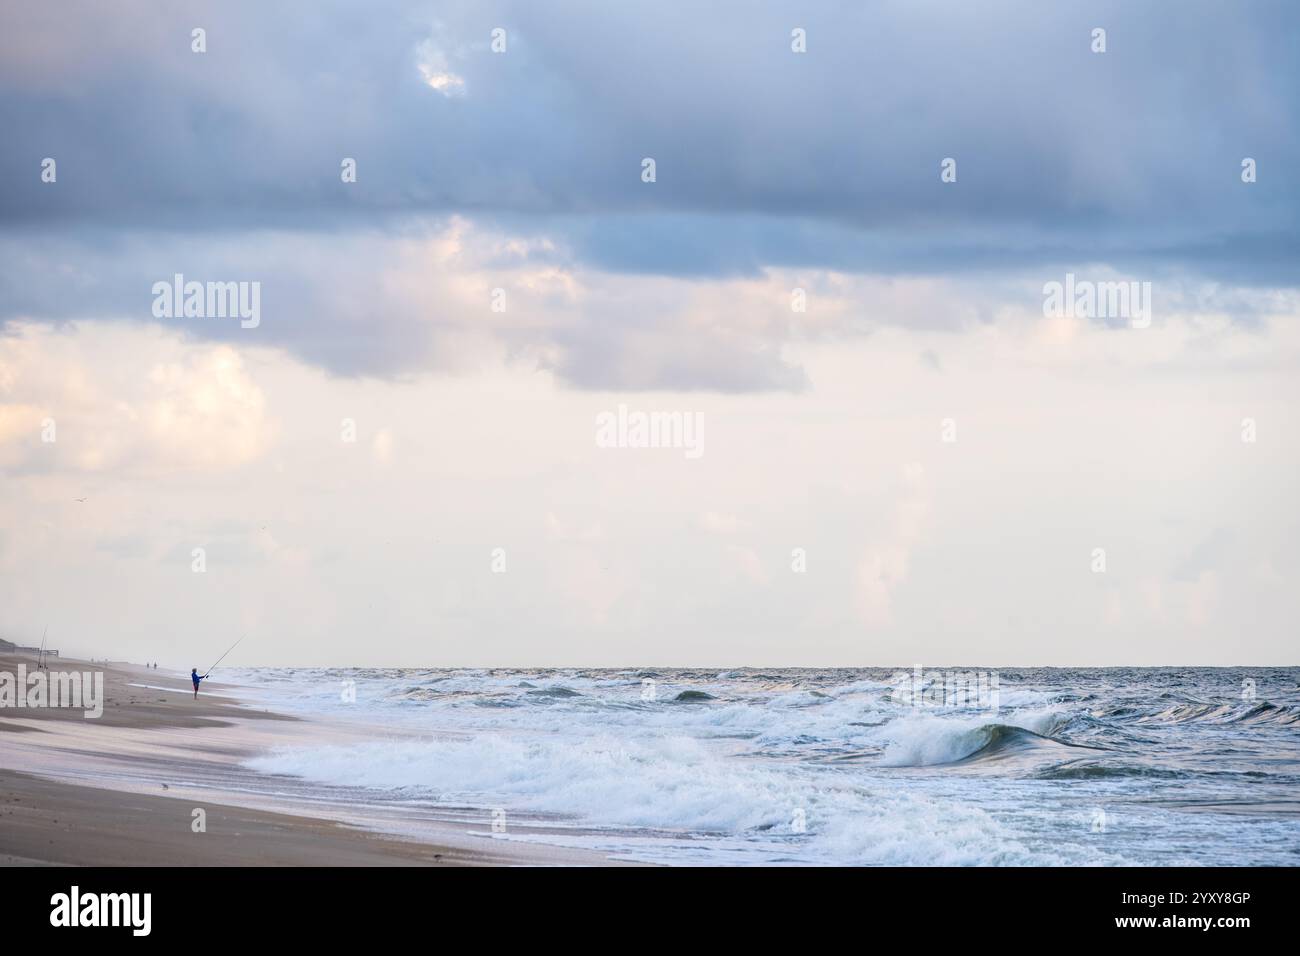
820 234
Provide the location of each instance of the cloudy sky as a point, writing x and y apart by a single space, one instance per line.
905 459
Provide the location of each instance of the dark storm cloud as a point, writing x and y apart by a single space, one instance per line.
828 159
1144 140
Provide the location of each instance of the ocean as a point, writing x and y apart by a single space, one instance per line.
1019 766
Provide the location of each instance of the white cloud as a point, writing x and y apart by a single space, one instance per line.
381 446
125 400
717 523
436 72
884 566
977 550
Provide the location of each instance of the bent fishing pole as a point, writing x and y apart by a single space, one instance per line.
224 656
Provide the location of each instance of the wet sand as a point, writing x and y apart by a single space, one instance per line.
127 705
122 789
43 822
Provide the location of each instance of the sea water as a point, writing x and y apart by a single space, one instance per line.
1114 766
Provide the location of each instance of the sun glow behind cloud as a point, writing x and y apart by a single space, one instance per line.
433 66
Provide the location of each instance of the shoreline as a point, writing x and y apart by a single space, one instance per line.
123 789
48 823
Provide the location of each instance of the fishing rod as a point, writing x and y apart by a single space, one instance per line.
40 657
223 656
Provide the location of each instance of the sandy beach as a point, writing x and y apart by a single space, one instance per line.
123 789
43 822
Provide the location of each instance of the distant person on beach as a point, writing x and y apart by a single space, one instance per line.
194 676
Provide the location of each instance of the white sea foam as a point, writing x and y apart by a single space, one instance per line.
672 784
783 767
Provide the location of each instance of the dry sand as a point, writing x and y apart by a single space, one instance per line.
121 789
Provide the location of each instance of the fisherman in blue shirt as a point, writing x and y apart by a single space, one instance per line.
194 676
